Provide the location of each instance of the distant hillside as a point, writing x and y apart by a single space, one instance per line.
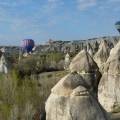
66 46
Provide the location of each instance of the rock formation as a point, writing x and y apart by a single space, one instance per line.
90 49
3 65
66 46
95 46
103 53
67 61
109 87
71 100
73 97
84 64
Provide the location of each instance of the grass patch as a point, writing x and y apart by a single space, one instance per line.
21 99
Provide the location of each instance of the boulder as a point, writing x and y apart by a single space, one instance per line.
71 100
109 87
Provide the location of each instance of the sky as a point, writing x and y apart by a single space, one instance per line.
42 20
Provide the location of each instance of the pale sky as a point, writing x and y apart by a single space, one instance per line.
57 19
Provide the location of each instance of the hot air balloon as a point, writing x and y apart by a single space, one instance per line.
117 25
28 45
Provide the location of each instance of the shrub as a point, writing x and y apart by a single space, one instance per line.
36 64
21 99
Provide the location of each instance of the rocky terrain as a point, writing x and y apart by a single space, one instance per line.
91 90
75 96
87 88
68 46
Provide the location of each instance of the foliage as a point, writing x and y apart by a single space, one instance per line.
20 99
35 64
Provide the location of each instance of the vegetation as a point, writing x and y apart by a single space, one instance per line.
24 99
36 64
24 90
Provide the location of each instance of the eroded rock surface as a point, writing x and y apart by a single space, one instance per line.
103 53
90 49
109 87
71 100
84 64
67 62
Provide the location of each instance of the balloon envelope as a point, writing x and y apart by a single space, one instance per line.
117 25
28 45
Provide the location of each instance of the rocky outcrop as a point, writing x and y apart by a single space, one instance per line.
66 46
74 96
3 65
103 53
71 100
84 64
90 49
67 62
109 87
